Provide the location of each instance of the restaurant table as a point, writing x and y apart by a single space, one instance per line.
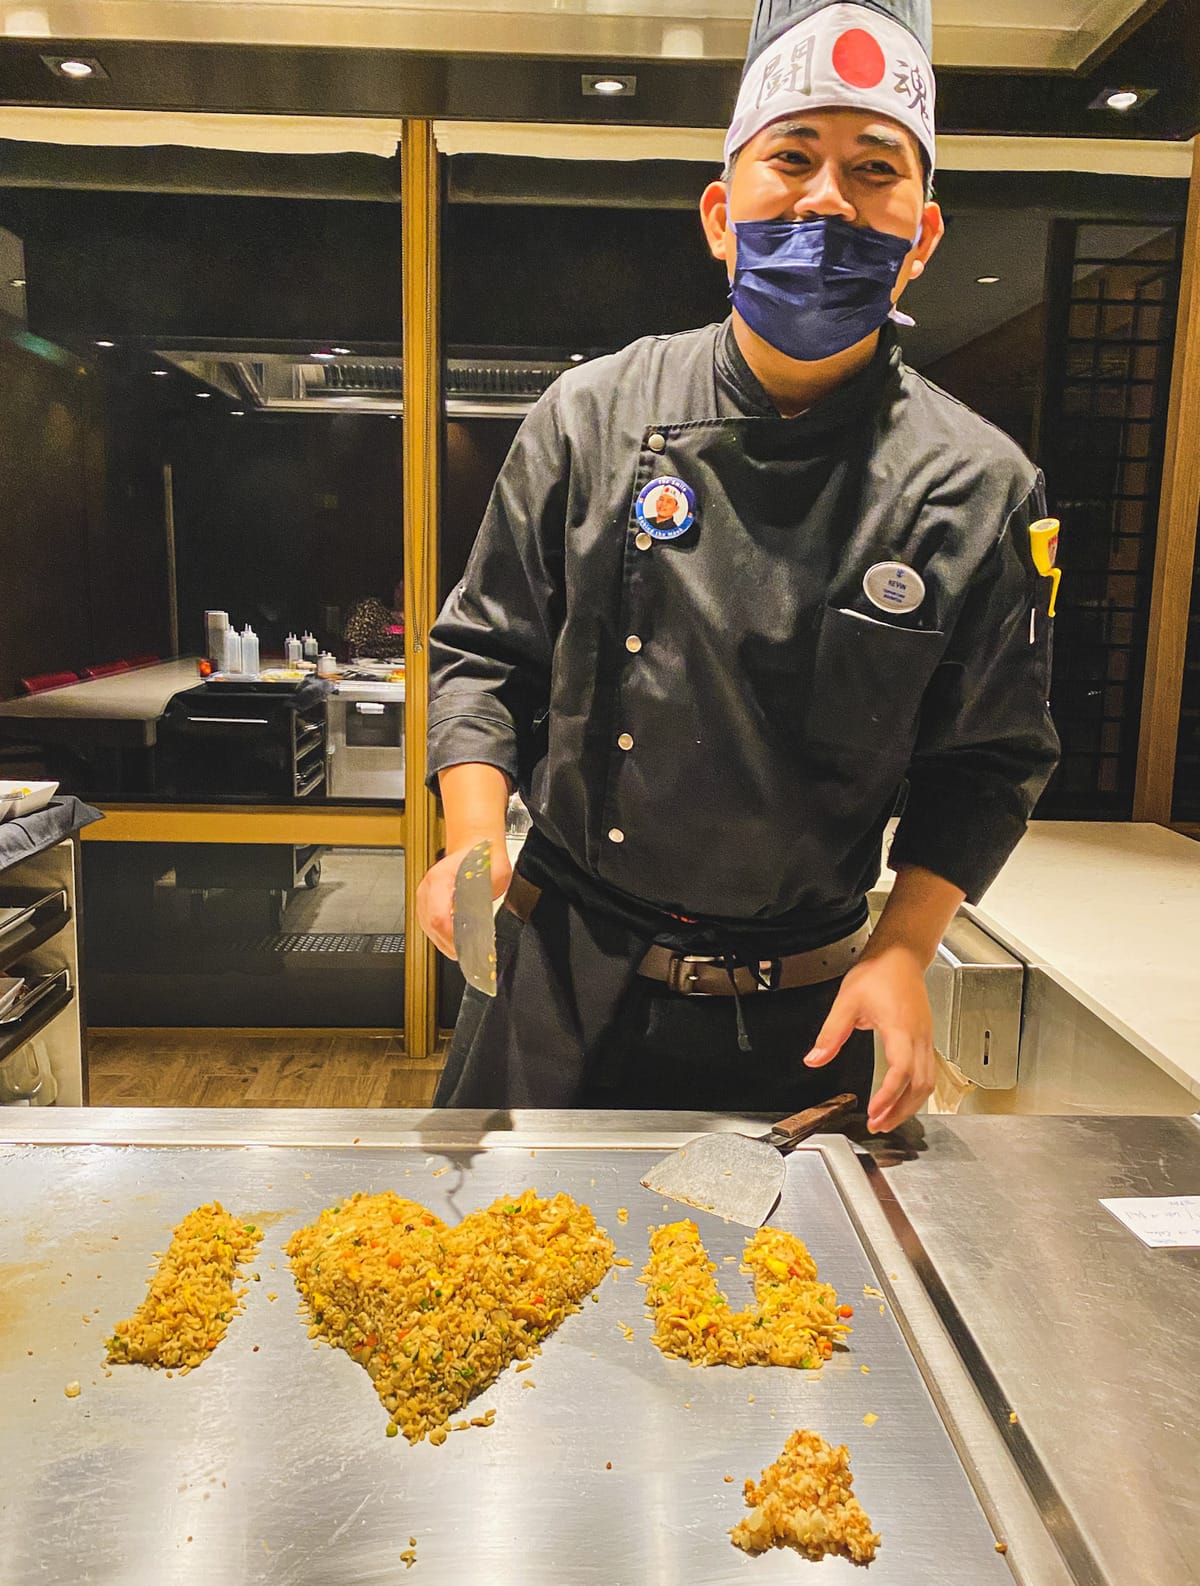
117 712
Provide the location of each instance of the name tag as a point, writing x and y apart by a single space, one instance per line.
892 586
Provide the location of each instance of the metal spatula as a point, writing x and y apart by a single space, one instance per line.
735 1176
475 918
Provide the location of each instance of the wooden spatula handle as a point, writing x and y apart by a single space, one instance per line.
790 1131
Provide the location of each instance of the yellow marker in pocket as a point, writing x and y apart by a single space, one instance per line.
1043 546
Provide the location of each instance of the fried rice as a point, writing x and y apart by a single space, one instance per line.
805 1500
794 1321
435 1313
191 1298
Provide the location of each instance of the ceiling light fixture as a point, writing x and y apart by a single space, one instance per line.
341 352
1122 99
78 68
986 280
606 85
576 357
237 413
203 396
103 343
18 281
159 374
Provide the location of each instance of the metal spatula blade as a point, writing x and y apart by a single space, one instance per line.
475 918
735 1176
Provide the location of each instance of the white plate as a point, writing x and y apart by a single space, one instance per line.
23 798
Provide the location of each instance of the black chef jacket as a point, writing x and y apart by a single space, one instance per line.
720 724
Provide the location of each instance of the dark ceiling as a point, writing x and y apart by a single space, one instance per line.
1162 51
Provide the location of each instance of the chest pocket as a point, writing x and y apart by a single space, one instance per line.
868 681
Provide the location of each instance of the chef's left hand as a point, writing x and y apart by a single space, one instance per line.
885 991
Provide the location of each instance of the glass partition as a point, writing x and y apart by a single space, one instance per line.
211 389
202 411
244 935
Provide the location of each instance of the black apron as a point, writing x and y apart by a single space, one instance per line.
573 1025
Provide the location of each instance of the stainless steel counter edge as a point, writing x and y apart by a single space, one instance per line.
371 1129
1033 1556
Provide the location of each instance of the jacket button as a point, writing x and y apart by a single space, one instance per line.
633 644
616 835
625 741
643 541
658 443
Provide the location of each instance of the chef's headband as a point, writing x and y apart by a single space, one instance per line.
844 55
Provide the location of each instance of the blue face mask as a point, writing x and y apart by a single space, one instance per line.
812 288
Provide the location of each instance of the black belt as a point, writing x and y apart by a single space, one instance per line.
693 975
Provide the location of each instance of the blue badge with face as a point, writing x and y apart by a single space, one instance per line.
666 508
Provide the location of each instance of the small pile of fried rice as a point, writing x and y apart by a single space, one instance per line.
805 1500
795 1320
191 1299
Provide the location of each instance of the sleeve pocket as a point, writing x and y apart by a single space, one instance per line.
868 682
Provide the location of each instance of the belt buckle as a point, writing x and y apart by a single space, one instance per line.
679 980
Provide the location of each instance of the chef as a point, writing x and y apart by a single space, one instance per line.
741 595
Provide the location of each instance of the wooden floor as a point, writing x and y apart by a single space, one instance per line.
194 1069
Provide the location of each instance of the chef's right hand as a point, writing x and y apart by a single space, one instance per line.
435 895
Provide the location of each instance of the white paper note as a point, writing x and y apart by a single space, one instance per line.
1160 1220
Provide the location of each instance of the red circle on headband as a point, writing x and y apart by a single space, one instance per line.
858 59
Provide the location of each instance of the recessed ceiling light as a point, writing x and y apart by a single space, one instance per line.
79 68
393 415
203 396
609 84
159 374
341 352
1122 99
237 413
576 357
99 343
986 280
